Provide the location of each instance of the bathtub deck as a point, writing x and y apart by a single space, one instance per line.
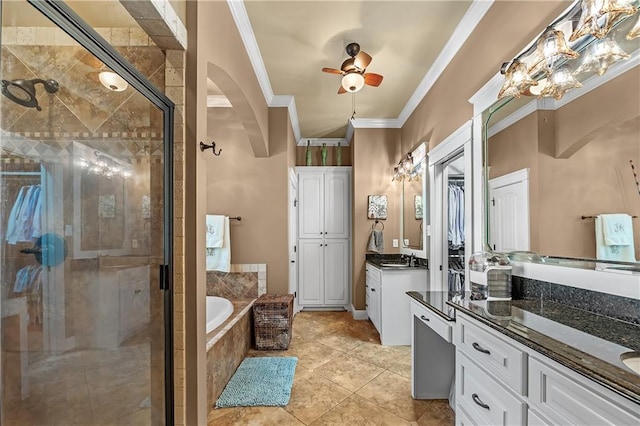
240 307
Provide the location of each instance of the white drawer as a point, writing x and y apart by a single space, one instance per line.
373 274
502 360
485 400
441 326
462 419
567 401
536 419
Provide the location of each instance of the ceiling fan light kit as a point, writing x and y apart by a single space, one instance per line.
353 82
353 69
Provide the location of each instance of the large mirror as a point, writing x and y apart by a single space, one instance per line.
553 166
100 202
414 205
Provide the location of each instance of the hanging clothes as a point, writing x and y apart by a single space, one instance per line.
456 216
28 279
25 219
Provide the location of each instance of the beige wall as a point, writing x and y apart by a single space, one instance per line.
239 184
507 28
375 152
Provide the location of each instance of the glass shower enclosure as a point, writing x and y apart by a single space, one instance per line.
85 234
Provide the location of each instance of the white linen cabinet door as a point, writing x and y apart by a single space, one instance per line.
311 272
311 202
336 272
337 187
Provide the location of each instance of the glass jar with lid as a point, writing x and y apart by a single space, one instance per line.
490 276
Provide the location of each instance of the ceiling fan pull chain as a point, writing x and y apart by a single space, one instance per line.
353 105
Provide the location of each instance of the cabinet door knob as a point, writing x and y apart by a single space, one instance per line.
373 289
478 401
422 317
138 291
479 348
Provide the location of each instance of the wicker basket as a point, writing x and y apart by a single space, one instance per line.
272 318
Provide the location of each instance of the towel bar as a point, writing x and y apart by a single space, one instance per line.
593 217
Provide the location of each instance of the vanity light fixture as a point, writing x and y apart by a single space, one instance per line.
599 16
112 81
600 55
635 31
543 69
559 83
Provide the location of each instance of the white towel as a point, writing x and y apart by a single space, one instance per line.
622 253
617 229
215 231
376 242
219 259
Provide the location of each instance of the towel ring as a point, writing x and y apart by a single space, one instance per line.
377 222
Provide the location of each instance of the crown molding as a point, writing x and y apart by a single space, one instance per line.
241 19
323 141
465 27
376 123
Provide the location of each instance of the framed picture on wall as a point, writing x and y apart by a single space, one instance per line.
418 206
377 207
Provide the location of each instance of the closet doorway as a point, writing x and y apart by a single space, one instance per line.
85 234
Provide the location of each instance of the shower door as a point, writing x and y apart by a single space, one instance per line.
85 229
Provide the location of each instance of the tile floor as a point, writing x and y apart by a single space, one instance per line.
343 377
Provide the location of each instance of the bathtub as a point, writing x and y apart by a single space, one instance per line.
218 310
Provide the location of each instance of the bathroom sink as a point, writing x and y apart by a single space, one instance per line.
632 361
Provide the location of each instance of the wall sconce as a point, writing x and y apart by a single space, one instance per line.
112 81
544 68
104 165
410 166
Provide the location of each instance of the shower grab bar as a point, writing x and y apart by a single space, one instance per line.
593 217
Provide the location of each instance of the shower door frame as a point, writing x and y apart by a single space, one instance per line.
68 21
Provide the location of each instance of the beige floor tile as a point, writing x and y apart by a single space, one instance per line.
402 366
356 411
254 416
313 354
349 372
313 396
382 356
393 393
438 413
340 342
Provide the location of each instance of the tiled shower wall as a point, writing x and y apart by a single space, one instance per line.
243 281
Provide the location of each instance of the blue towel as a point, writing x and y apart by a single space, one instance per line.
621 253
617 229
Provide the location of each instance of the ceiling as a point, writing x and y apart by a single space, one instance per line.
296 39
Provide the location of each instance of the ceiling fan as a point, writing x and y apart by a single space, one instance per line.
353 71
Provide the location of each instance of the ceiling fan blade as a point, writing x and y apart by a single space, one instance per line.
372 79
331 70
362 60
341 90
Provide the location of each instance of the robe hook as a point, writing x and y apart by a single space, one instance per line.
204 146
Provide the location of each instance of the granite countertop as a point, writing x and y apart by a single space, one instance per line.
586 342
378 264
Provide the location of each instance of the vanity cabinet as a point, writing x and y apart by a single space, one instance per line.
324 231
499 381
388 305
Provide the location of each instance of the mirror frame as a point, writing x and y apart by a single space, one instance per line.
422 254
567 271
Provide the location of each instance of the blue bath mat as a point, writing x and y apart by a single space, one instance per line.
260 381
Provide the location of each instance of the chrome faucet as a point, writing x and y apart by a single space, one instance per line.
412 260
